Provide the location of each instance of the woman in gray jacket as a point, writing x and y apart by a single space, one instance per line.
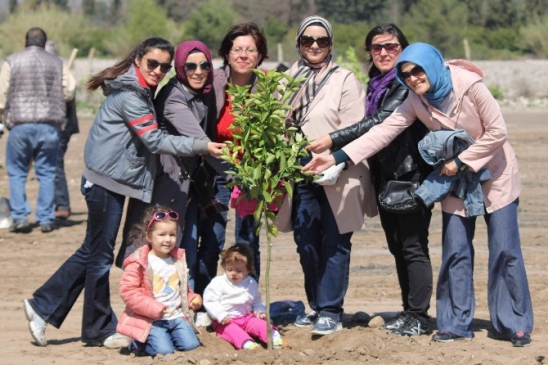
120 161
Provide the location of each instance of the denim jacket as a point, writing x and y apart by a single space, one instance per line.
436 148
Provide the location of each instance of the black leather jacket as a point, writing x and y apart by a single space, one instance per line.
400 160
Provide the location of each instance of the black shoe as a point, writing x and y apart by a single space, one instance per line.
47 227
521 339
21 226
446 336
413 327
395 323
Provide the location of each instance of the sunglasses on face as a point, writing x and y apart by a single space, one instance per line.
153 65
391 48
160 216
416 71
191 67
308 41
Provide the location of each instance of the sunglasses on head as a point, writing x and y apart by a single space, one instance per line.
160 216
391 48
416 71
308 41
205 66
153 65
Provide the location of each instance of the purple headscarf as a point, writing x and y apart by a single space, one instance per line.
181 54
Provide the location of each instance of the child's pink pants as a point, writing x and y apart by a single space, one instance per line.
242 329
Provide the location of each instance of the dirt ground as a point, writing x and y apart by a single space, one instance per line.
28 260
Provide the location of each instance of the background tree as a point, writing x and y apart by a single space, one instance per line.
88 8
439 22
210 22
178 10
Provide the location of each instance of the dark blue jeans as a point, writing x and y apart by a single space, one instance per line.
88 268
62 199
508 294
324 252
204 239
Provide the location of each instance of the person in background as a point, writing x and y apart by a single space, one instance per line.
155 288
324 217
451 96
34 88
120 161
406 234
69 127
242 49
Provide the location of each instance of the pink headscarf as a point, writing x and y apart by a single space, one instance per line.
181 54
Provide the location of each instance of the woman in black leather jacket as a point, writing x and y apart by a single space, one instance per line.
406 233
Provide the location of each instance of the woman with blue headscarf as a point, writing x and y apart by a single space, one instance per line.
451 96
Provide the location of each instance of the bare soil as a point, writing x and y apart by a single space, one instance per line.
27 260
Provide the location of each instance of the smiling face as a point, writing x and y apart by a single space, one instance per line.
197 78
385 61
314 54
236 271
419 83
243 56
162 237
153 76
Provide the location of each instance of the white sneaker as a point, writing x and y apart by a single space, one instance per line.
202 320
116 341
37 326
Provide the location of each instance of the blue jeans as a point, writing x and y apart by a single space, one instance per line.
204 239
508 294
167 336
88 268
27 142
324 252
62 199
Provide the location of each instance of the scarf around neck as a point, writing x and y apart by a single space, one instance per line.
375 90
314 74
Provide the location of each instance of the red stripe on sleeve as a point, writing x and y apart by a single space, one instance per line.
147 129
141 120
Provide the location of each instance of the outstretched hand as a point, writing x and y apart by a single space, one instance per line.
319 163
214 148
321 144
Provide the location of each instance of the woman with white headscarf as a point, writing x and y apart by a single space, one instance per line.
323 217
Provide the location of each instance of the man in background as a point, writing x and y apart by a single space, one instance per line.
69 127
34 89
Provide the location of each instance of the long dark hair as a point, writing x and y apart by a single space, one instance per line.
240 30
388 28
121 67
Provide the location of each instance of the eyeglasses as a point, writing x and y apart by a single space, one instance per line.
153 65
308 41
416 71
160 216
191 67
391 48
239 50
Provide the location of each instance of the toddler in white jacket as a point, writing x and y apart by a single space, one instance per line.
234 302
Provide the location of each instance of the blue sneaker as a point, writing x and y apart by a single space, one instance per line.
326 326
306 320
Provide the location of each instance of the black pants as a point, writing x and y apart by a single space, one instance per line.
407 238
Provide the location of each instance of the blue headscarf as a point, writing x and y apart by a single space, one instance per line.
431 60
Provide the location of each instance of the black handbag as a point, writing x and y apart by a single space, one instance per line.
399 197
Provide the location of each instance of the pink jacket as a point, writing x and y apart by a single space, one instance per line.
136 291
475 110
340 103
